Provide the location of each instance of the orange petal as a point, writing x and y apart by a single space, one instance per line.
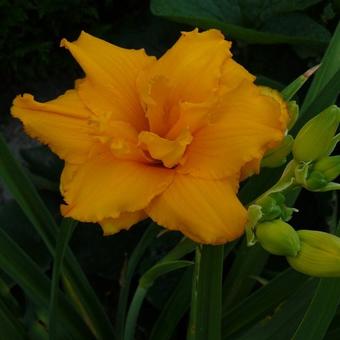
124 221
61 123
193 66
233 74
110 83
105 187
246 123
170 152
206 211
192 116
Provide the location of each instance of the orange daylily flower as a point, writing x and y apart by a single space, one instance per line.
168 138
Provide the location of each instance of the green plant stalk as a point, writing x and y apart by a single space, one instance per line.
66 229
145 282
174 309
192 329
206 304
25 194
178 303
127 274
167 264
134 309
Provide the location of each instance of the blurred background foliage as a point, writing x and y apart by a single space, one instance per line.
276 40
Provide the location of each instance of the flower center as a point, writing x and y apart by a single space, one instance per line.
169 152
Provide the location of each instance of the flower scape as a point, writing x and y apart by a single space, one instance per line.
168 139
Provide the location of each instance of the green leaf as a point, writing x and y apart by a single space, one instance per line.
145 283
261 10
28 275
160 269
282 324
329 68
184 247
249 262
261 302
11 327
174 309
30 202
226 15
291 89
206 300
178 303
19 228
167 264
320 312
150 233
66 229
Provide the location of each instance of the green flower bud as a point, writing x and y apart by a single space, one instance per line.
319 255
278 156
329 167
315 138
278 238
316 180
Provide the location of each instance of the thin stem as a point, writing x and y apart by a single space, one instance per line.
192 329
133 313
127 275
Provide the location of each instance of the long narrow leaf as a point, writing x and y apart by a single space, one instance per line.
178 302
320 312
66 229
330 65
145 283
282 324
168 263
28 275
174 309
11 328
249 262
127 274
206 304
29 200
261 302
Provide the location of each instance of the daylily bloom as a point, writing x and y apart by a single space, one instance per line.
168 139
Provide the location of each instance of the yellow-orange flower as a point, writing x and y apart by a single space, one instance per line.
168 138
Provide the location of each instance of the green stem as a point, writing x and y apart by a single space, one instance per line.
127 275
194 294
206 305
133 313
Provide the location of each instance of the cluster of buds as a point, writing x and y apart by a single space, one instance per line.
314 253
312 147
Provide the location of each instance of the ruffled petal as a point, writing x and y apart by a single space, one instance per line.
110 83
245 125
233 74
105 187
170 152
124 221
193 66
62 123
206 211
